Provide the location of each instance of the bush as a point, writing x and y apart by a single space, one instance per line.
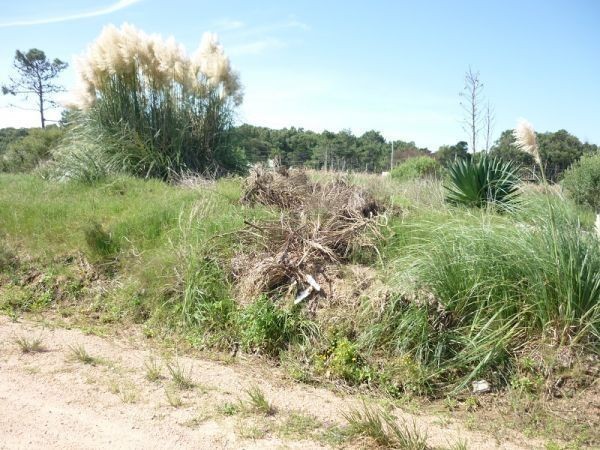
342 360
420 167
169 113
9 135
268 329
582 181
26 153
482 181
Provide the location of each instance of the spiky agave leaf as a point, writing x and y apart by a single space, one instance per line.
481 182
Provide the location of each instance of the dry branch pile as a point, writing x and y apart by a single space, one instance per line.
320 224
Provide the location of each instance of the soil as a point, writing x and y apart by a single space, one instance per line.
51 399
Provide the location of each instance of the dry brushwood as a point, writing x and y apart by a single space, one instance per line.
281 188
319 226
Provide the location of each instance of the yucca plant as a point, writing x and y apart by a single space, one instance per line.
483 181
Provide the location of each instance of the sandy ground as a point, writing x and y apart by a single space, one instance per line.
52 400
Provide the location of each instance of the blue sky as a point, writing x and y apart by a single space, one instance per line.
393 66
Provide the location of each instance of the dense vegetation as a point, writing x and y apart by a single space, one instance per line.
481 283
248 144
582 181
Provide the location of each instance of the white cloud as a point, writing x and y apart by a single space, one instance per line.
256 47
121 4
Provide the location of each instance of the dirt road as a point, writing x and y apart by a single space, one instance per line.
53 399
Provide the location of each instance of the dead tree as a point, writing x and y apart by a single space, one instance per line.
472 96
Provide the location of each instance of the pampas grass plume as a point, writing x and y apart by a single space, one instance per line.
136 57
526 140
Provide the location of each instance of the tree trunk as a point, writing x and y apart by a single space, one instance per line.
42 112
41 100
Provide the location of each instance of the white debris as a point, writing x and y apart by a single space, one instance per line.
310 280
481 387
302 295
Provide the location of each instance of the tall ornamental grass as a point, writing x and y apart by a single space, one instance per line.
172 110
474 289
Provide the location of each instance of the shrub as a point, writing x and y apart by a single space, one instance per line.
26 153
582 181
170 112
420 167
482 181
268 329
9 135
342 360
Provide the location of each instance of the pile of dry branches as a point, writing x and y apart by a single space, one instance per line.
320 224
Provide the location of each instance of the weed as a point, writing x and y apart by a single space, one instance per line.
269 329
100 242
299 426
252 431
127 391
460 444
33 345
79 353
153 370
343 360
230 409
181 379
334 436
173 398
259 403
383 429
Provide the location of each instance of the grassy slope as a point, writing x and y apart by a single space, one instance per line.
159 254
134 232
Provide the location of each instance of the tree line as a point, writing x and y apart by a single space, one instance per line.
371 152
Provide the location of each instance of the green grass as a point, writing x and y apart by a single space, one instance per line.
464 288
153 237
79 353
30 345
51 218
383 429
258 402
470 287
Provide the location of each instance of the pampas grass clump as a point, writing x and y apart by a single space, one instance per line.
176 109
